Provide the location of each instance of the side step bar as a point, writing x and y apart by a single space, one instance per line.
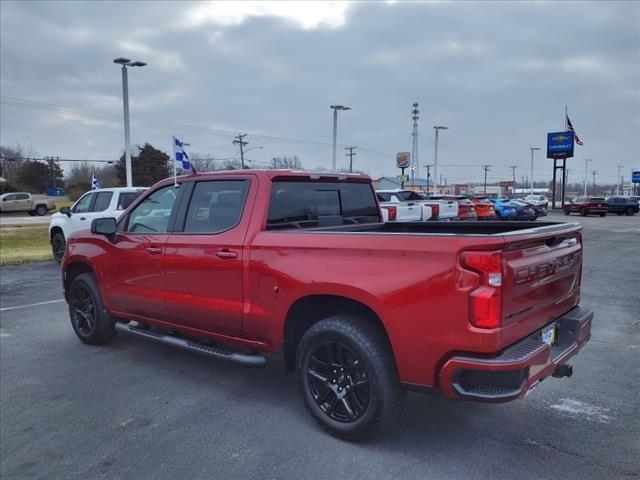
246 360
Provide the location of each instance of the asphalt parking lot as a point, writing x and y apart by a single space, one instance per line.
137 410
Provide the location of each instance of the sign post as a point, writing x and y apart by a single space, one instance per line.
403 160
559 146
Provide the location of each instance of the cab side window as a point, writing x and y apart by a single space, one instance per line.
83 205
216 206
153 213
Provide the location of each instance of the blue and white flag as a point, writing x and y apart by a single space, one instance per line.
95 184
181 157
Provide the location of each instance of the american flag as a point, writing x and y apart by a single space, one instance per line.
570 129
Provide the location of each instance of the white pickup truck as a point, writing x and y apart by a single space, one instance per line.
106 202
396 210
440 209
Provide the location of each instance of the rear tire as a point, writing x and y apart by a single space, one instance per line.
58 245
41 210
89 317
630 212
348 378
583 212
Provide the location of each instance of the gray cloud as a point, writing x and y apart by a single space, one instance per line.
499 74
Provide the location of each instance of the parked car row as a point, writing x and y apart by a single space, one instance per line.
601 206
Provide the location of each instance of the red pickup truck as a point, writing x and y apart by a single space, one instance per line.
239 264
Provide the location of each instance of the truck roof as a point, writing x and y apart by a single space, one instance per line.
278 173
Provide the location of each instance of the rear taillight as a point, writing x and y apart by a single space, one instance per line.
435 211
393 213
485 302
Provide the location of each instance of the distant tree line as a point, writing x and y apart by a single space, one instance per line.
21 171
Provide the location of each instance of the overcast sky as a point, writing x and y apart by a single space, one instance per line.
498 74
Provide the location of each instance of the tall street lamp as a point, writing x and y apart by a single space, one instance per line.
586 174
533 149
335 130
619 180
125 62
435 158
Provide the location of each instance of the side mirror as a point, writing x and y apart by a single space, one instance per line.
104 226
66 211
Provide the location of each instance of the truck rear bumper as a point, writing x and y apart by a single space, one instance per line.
521 366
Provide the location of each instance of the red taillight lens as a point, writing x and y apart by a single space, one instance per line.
393 213
435 211
485 302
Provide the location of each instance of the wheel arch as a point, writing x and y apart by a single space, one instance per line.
72 270
55 229
309 310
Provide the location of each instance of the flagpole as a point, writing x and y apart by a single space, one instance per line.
175 178
566 116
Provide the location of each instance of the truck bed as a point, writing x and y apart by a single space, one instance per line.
444 228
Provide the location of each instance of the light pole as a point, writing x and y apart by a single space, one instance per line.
125 62
586 174
435 158
533 149
618 182
335 130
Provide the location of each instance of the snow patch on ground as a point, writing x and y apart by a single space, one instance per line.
577 409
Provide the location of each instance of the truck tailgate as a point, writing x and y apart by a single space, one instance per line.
541 280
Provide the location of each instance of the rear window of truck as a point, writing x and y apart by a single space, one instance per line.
296 204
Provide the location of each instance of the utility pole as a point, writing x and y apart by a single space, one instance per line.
486 169
350 155
594 181
586 174
619 180
415 164
238 141
513 170
428 167
435 153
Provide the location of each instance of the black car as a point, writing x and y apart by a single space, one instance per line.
622 205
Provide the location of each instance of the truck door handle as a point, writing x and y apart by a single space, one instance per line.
226 254
83 218
154 250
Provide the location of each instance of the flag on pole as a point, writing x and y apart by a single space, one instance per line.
95 184
180 156
570 129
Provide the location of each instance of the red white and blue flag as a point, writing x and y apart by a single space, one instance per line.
570 129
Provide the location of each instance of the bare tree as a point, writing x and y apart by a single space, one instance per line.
11 160
292 163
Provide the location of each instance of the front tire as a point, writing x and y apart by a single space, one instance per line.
89 317
58 245
348 377
567 211
583 212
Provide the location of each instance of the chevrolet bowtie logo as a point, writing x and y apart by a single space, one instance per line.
559 138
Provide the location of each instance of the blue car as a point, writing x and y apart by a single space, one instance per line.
524 211
504 209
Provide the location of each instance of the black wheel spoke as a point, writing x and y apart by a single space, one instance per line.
84 310
338 381
347 406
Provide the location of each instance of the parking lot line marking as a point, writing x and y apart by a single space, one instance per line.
30 305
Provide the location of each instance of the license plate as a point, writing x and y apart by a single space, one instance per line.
548 335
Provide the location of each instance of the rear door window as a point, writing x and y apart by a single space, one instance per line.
103 200
216 206
300 204
126 198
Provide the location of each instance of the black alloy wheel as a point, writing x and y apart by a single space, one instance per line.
58 246
338 382
630 212
84 310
